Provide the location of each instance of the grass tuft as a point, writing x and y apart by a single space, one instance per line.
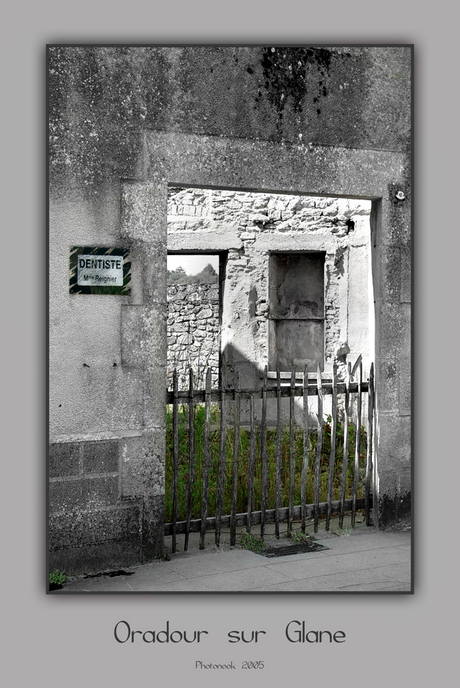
243 466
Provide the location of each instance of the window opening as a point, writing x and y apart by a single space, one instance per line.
296 311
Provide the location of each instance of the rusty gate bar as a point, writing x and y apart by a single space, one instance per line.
330 481
319 446
216 394
191 457
263 456
370 439
306 450
291 450
278 455
195 524
357 445
236 453
252 461
206 458
175 424
222 458
343 486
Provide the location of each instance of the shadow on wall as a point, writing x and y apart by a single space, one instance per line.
251 374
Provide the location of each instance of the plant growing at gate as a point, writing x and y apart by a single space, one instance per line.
243 467
57 578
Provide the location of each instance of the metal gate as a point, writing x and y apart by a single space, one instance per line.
222 472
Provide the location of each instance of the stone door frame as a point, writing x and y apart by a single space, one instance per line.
190 160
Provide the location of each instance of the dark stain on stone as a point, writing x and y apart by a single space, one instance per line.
249 70
391 510
286 71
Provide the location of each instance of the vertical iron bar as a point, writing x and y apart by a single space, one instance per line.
264 457
175 430
345 447
357 447
306 451
319 446
236 451
291 451
370 439
221 470
191 458
278 454
206 458
252 461
330 482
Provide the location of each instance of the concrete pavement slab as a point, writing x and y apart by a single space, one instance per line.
333 563
236 581
399 572
147 576
364 562
335 581
206 562
362 542
376 587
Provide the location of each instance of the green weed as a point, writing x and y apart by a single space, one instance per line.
57 578
254 543
243 465
298 537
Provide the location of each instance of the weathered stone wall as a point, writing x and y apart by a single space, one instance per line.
193 333
100 98
88 522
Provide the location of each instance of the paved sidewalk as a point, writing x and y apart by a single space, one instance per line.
363 561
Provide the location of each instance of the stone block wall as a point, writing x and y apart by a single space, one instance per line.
88 519
193 333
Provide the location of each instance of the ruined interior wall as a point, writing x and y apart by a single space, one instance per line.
193 333
256 224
